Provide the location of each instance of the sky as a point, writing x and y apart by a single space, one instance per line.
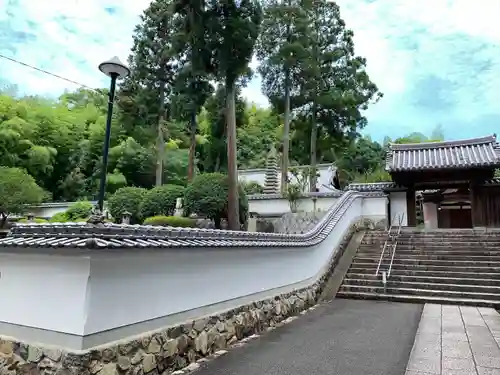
436 61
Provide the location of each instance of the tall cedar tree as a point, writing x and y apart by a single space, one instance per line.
154 65
335 86
192 86
280 49
215 151
233 28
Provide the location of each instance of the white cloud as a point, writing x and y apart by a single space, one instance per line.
418 51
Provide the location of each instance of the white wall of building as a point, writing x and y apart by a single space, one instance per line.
399 207
130 286
430 215
281 206
325 171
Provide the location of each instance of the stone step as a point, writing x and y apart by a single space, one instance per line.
433 244
415 255
464 253
420 292
416 267
433 247
408 262
403 236
426 274
439 286
429 278
419 299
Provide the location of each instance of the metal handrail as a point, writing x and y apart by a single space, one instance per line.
394 241
385 245
394 246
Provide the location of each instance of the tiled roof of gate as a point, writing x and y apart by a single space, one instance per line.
477 152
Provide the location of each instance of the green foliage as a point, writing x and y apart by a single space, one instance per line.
36 220
160 200
252 187
79 210
379 175
18 189
127 199
207 196
60 217
170 221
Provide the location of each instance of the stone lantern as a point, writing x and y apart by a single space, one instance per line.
126 216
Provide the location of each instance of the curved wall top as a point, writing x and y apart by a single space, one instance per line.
116 236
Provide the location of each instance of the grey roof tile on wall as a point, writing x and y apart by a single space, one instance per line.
371 186
119 236
468 153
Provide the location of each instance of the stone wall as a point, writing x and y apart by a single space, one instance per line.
174 349
299 222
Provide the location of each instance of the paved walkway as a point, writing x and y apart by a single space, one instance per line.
454 340
343 337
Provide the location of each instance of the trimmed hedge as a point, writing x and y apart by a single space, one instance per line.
35 220
79 210
160 201
60 217
170 221
207 196
126 199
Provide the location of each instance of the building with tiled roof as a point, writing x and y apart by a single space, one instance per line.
467 167
481 152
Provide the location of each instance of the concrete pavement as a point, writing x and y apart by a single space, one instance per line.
343 337
453 340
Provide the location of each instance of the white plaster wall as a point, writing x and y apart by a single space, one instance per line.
398 207
253 175
94 291
430 215
280 206
44 291
48 210
134 286
259 176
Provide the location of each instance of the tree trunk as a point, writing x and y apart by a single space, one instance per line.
192 146
314 136
3 220
286 134
160 141
232 165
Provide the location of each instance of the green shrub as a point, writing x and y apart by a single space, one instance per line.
170 221
79 210
37 220
252 187
207 195
60 217
126 199
160 200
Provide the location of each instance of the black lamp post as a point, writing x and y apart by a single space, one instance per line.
115 69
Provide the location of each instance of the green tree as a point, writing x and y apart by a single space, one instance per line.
335 86
207 195
154 66
234 26
280 49
215 151
192 85
17 189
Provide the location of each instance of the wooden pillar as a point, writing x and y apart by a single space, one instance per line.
474 209
411 207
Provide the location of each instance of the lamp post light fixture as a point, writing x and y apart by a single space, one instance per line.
115 69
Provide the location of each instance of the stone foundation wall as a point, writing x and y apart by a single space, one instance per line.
299 222
171 349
